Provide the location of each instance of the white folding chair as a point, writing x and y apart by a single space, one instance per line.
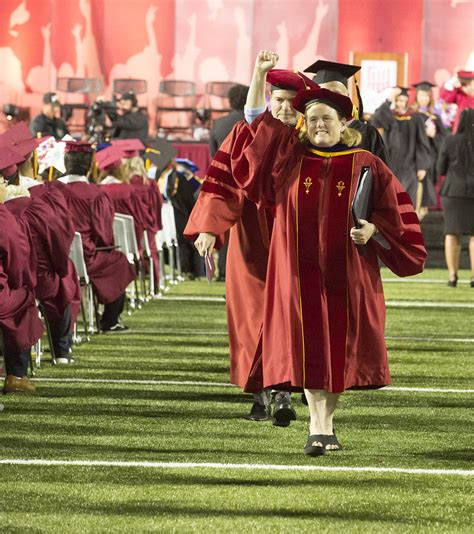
160 240
88 309
151 269
170 239
128 245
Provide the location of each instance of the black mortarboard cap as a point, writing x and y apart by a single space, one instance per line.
404 90
160 152
424 86
330 71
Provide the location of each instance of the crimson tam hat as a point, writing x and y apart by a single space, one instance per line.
289 80
131 147
78 146
330 71
110 157
340 103
19 139
466 74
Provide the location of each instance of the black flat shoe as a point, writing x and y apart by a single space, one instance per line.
316 445
283 413
258 412
472 282
453 281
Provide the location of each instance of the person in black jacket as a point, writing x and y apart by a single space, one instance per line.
334 76
221 127
456 162
47 123
129 122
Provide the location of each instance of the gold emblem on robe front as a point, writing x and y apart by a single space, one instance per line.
308 183
340 187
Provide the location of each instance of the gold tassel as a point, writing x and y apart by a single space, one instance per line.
50 174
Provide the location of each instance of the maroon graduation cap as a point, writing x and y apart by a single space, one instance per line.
110 158
8 161
130 147
19 139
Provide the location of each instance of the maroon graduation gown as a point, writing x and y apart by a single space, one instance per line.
68 293
93 214
19 319
153 200
221 206
324 315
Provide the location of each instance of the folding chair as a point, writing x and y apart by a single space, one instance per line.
159 240
127 238
216 102
170 239
151 270
176 106
89 308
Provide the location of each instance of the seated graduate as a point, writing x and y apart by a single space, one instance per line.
43 211
114 180
148 190
20 325
324 312
93 214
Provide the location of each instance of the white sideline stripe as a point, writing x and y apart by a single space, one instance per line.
216 384
205 333
421 281
388 303
247 467
426 304
432 339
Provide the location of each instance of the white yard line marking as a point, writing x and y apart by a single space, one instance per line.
215 384
247 467
421 281
205 333
389 303
426 304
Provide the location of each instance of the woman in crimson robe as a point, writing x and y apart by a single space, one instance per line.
93 214
324 312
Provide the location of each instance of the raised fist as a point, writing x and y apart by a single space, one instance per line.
266 61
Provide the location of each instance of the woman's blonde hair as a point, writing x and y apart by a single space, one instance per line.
349 136
136 167
118 172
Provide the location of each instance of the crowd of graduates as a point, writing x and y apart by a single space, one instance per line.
50 193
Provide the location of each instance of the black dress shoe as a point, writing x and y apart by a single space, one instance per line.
453 281
259 412
283 412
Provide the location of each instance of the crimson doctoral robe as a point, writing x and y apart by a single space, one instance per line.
221 206
19 319
324 310
93 214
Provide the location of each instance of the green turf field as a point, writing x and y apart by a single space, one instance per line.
144 400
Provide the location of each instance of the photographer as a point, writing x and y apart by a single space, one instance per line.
47 123
128 121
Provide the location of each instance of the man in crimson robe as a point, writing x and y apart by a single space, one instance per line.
324 312
20 324
221 206
92 214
